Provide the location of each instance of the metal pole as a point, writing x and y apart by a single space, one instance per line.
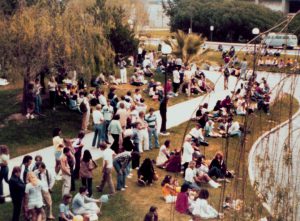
211 35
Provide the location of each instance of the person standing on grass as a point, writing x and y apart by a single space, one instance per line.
4 158
115 130
48 181
87 165
52 87
98 120
123 72
86 112
151 119
17 190
66 171
108 155
143 133
176 81
38 98
121 162
108 113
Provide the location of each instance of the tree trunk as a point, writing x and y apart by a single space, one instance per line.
26 81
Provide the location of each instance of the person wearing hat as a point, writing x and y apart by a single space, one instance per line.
151 119
98 121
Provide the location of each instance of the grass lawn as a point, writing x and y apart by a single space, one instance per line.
26 136
132 204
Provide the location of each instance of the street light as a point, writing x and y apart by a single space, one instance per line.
166 50
211 28
255 31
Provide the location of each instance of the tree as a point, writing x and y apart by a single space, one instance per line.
35 38
117 30
233 20
121 36
186 46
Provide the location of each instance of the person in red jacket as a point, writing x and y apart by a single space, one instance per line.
182 202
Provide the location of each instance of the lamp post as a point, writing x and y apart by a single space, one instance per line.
166 50
211 28
255 31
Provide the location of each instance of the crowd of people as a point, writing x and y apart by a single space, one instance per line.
124 128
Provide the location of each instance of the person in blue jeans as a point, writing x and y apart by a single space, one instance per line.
151 119
4 158
121 162
98 120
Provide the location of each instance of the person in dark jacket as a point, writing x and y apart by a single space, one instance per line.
152 214
146 172
218 168
17 190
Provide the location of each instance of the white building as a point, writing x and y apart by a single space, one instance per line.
286 6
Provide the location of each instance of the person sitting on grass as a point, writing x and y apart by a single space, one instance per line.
146 173
152 214
163 155
209 130
174 163
200 207
190 177
197 135
84 205
169 189
64 210
182 201
218 168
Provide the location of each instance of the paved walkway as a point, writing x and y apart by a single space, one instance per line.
176 115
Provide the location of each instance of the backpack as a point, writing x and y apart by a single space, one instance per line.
83 107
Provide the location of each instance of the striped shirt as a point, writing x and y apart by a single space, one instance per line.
151 120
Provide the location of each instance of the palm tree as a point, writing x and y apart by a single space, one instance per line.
186 46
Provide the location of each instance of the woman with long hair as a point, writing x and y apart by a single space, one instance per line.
169 187
146 173
87 165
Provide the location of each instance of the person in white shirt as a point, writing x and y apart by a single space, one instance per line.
102 99
188 151
141 107
48 182
98 121
86 115
108 155
234 128
108 112
143 133
176 81
200 207
197 135
190 176
137 96
123 72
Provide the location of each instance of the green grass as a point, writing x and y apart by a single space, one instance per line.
135 201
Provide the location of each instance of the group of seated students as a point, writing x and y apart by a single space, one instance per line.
275 62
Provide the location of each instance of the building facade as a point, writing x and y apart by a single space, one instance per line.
285 6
